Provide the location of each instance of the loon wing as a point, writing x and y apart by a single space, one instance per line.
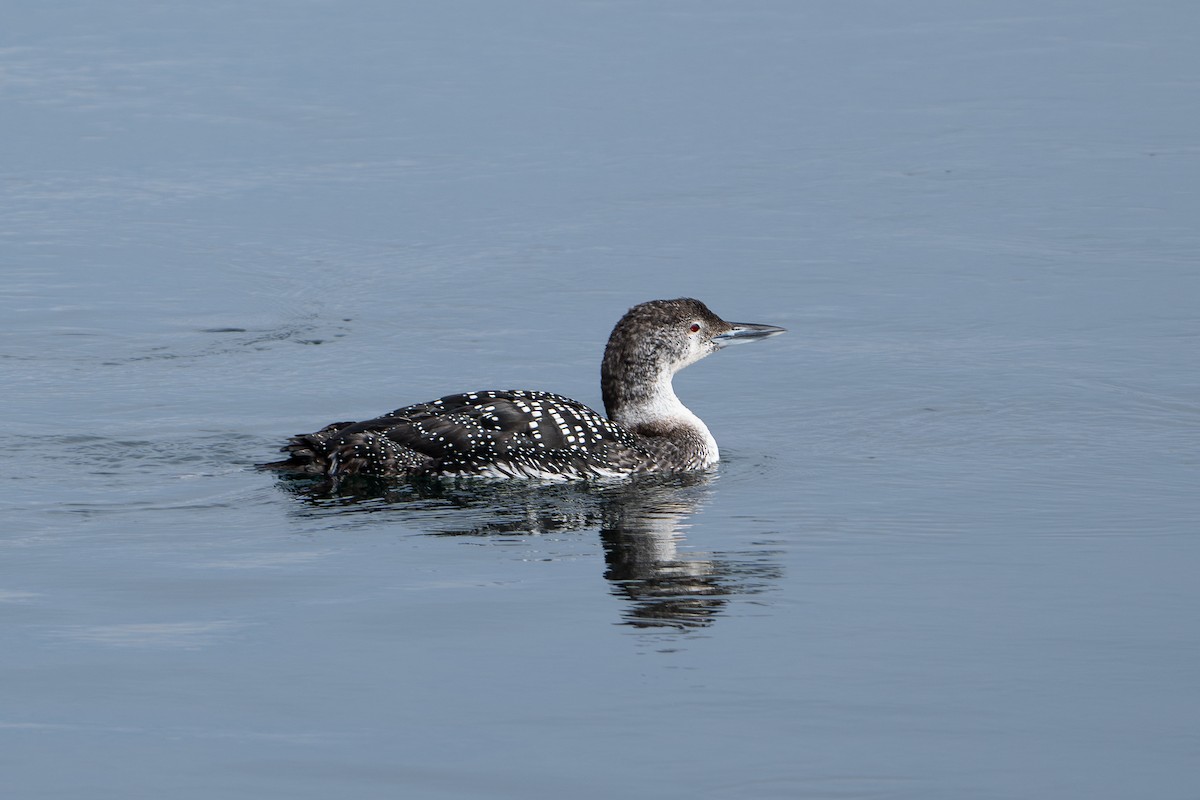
497 433
502 431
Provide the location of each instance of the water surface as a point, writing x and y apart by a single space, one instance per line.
950 550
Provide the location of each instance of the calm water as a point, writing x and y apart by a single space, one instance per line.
951 551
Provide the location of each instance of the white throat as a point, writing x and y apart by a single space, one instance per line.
664 410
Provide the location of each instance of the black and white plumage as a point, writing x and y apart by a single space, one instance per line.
529 434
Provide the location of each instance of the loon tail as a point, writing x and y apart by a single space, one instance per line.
308 452
335 454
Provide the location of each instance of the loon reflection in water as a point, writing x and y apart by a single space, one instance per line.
641 524
531 434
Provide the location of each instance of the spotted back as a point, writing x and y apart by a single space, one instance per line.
506 434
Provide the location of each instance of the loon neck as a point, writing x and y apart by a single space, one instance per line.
652 409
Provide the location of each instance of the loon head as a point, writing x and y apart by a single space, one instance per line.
655 340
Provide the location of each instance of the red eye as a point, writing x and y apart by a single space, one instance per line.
695 327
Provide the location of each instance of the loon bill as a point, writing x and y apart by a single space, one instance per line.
531 434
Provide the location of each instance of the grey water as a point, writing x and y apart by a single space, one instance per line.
951 550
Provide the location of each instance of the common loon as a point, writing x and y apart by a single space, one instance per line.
529 434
